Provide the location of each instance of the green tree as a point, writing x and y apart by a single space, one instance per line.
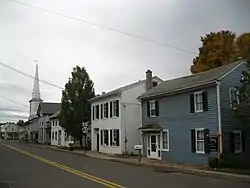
75 108
243 109
219 48
20 123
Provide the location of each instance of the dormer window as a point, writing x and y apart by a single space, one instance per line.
155 84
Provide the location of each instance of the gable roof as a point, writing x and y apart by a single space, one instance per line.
118 91
48 108
55 115
191 81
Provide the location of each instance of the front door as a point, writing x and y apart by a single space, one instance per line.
153 146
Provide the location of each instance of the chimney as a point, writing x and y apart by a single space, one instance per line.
149 83
103 93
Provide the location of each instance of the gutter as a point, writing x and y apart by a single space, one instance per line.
219 113
98 98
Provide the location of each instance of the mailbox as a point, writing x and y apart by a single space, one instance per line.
137 147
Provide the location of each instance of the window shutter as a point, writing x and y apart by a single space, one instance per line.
205 101
192 103
93 113
193 141
117 137
148 109
101 111
243 140
111 108
107 110
156 107
97 111
232 142
101 137
111 137
117 107
206 140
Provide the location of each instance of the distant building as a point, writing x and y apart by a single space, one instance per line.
12 132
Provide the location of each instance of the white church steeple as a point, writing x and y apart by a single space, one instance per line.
36 98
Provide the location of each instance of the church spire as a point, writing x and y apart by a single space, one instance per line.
36 88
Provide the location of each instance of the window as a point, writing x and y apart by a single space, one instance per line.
152 109
200 141
106 137
114 108
97 112
165 140
93 112
154 84
198 102
237 141
114 137
55 135
105 110
234 98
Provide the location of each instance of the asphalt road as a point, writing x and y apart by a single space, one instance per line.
27 166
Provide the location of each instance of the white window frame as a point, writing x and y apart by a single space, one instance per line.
103 137
196 141
165 131
152 108
236 93
104 110
114 109
197 102
114 137
240 150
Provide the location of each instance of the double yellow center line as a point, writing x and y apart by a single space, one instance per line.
70 170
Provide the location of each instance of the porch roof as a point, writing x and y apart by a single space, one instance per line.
151 127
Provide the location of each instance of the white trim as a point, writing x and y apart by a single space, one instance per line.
152 101
198 93
199 152
238 132
243 62
219 113
161 140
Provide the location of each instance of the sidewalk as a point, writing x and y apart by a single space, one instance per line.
157 165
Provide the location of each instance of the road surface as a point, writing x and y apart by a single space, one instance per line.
27 166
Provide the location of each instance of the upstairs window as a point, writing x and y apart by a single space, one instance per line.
114 108
153 108
198 102
93 112
105 110
234 98
97 112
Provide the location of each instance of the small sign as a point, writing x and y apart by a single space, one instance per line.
213 143
137 147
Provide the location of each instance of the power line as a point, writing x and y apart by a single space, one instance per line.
28 75
103 27
12 110
10 100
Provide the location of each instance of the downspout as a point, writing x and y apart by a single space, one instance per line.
219 113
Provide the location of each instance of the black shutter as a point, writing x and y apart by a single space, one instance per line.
243 139
148 108
107 110
156 107
205 101
101 111
107 137
111 137
101 137
192 103
93 112
97 111
111 108
193 141
117 137
117 108
232 142
206 140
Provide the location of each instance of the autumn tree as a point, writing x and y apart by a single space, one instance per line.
219 48
75 108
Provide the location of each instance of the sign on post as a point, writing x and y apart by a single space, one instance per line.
213 143
84 128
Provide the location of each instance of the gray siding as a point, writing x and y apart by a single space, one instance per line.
228 120
174 115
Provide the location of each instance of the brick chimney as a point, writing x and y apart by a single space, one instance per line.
149 82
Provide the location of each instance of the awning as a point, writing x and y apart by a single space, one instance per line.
151 127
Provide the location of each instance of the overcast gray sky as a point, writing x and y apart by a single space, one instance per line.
111 59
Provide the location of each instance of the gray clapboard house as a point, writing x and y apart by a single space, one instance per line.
177 114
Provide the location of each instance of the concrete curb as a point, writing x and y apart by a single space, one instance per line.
203 173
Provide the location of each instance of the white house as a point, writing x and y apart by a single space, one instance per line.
116 117
59 136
